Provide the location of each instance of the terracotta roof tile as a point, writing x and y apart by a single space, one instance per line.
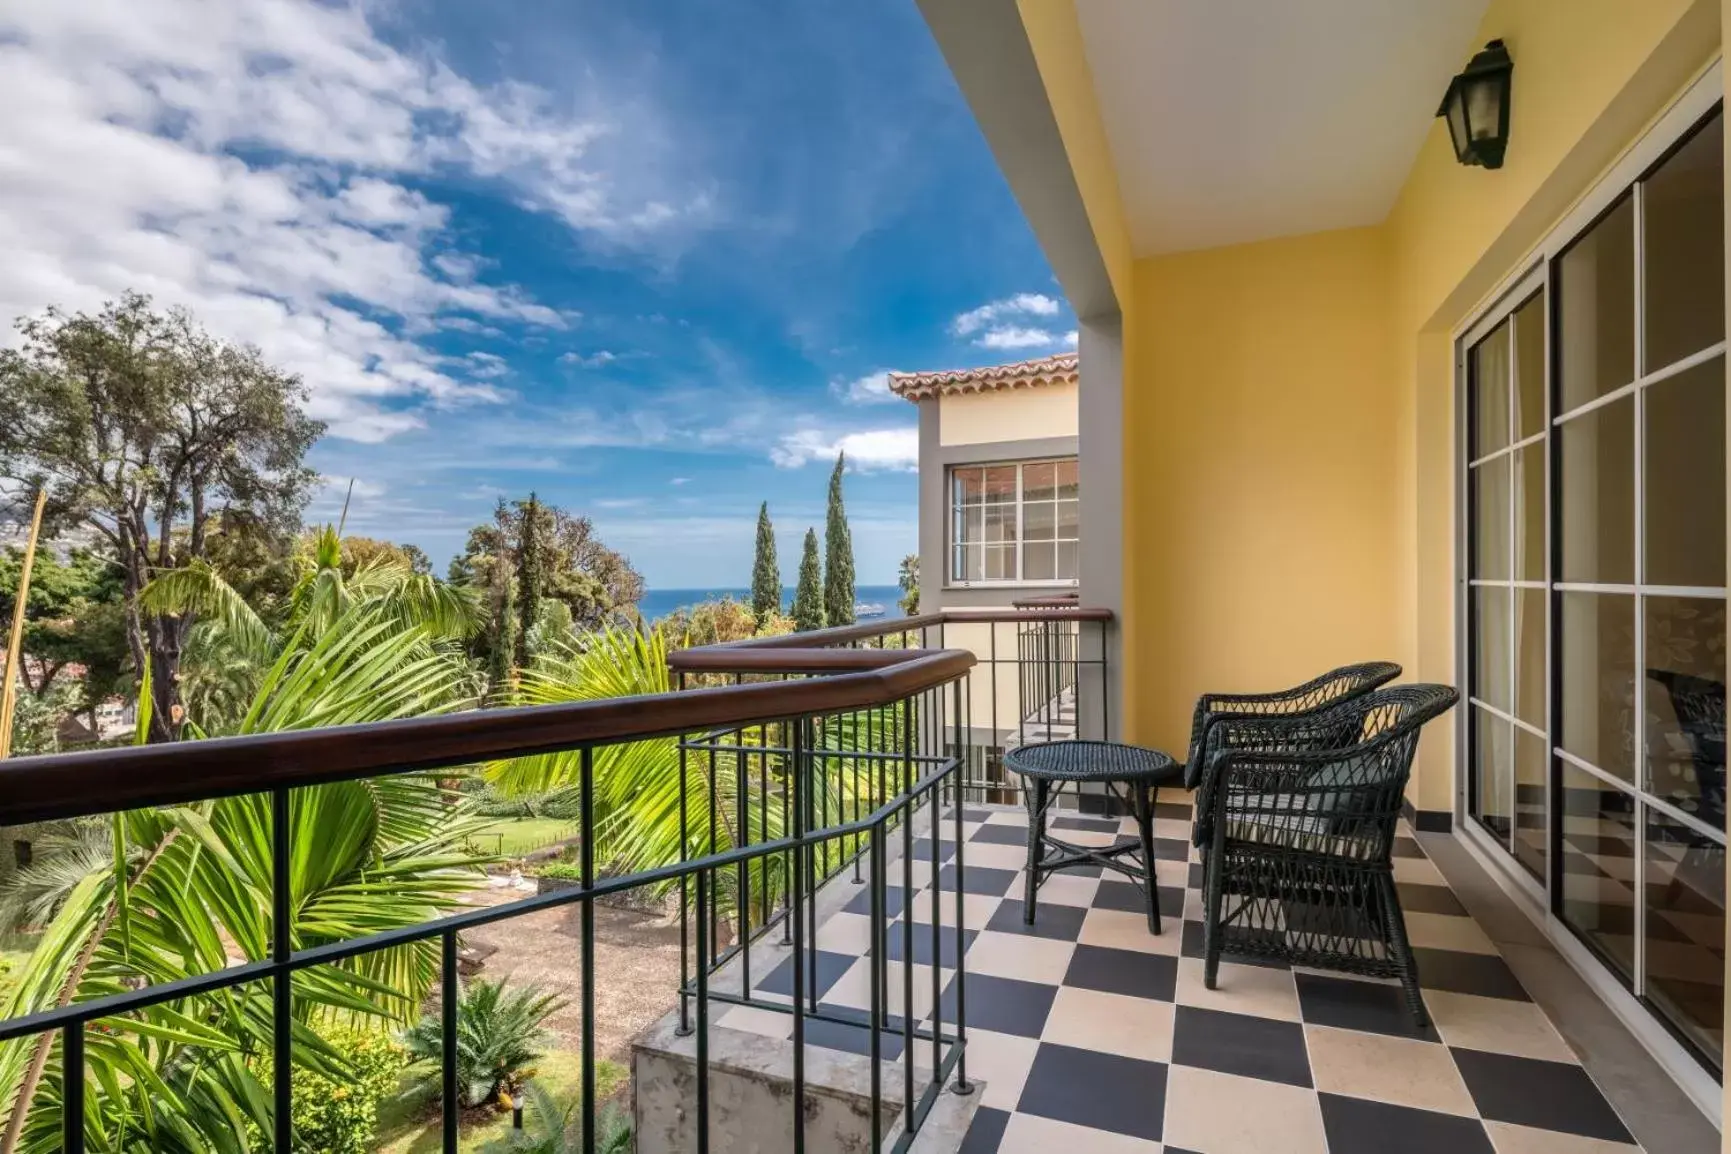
1059 369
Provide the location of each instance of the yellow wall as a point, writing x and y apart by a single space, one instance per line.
1007 415
1263 463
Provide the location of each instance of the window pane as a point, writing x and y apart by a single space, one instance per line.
1491 646
1596 652
972 524
970 486
1490 376
1069 519
1686 928
1000 523
1530 656
1530 367
1531 845
1596 306
1493 771
970 563
1038 483
1039 521
1684 459
1683 234
1039 561
1068 567
1685 691
1598 864
1529 475
1490 488
1596 495
1000 562
1000 486
1067 484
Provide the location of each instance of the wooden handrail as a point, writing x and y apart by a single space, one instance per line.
56 786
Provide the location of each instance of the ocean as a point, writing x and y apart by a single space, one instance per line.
658 603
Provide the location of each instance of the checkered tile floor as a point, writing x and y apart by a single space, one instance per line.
1093 1035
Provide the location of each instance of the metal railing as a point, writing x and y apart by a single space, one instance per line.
788 726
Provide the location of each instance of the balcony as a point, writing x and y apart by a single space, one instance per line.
855 968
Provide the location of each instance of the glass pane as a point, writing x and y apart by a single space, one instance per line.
1685 690
1531 846
1068 569
970 486
1530 367
1683 234
1598 866
1490 376
970 564
1037 482
1039 521
1684 459
1596 495
1000 523
1686 928
1530 656
1596 655
1490 487
1069 519
973 526
1491 646
1039 562
1000 486
1529 475
1493 772
1000 562
1067 485
1596 307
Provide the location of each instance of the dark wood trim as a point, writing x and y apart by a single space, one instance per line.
70 785
719 659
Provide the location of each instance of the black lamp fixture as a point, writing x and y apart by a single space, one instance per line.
1476 107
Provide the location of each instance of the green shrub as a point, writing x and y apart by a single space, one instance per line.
342 1116
569 870
500 1036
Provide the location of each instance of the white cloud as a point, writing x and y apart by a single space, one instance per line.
1070 338
251 160
593 361
876 449
679 480
1020 305
870 389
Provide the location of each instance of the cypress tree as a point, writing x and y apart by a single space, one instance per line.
529 573
808 597
765 571
838 592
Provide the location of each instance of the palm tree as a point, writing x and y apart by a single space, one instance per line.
193 896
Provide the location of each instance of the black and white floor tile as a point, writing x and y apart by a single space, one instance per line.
1090 1034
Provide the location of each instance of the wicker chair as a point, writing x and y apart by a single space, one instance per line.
1303 811
1335 686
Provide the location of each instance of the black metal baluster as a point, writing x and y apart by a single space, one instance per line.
964 731
282 983
742 895
876 950
937 828
703 947
796 915
908 1014
684 1027
448 998
72 1096
707 958
588 826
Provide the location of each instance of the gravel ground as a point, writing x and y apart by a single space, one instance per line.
636 967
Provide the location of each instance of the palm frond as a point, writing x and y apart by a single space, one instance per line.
196 588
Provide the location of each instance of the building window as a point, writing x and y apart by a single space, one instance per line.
1595 462
1015 522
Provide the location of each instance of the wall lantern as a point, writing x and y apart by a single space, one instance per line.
1476 107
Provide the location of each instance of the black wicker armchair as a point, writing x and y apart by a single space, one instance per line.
1302 813
1331 688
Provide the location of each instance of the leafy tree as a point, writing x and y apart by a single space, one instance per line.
501 1034
908 580
765 572
531 573
144 429
838 590
360 551
74 622
714 622
368 856
808 599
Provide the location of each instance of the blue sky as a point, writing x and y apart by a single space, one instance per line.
648 260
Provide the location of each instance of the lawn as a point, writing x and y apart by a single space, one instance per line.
513 837
411 1123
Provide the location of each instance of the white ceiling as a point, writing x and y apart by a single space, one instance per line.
1239 120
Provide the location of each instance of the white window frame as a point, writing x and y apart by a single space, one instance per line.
953 510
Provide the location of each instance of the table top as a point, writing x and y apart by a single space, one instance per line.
1092 761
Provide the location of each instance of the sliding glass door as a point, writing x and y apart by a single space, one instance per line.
1596 623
